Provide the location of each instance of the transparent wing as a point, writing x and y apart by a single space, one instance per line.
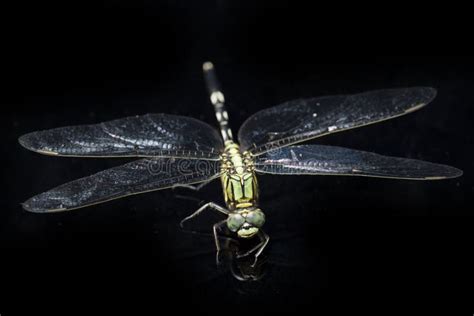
299 120
137 136
135 177
327 160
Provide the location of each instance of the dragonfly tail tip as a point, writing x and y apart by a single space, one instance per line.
207 66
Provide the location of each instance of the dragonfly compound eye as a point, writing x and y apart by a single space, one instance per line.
256 218
235 221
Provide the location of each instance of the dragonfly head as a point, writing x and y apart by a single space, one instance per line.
246 222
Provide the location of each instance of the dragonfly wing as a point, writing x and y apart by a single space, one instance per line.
137 136
328 160
136 177
300 120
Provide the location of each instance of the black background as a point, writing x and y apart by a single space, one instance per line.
337 243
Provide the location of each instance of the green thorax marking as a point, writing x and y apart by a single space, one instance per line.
239 181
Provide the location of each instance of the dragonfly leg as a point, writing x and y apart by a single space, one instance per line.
210 205
264 239
216 238
188 198
190 186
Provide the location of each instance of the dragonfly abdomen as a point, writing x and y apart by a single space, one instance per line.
217 99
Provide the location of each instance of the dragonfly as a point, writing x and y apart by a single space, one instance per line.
182 151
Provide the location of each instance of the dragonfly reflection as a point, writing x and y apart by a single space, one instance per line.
231 256
182 151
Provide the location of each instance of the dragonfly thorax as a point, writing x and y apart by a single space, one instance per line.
239 181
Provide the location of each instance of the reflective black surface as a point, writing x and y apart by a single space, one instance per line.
338 243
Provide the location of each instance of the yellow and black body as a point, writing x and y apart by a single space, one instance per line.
239 181
240 187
